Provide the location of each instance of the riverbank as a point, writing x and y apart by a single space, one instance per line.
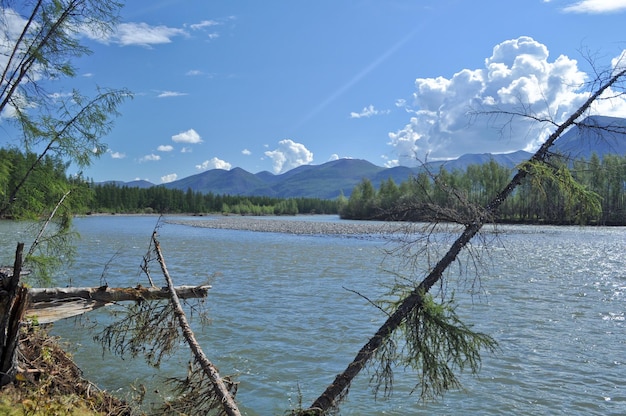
50 383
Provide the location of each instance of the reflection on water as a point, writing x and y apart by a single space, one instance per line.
284 322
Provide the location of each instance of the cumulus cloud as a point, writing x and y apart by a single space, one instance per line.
518 73
246 152
190 136
150 158
167 94
186 150
169 178
597 6
214 163
165 148
289 155
332 157
390 163
368 111
117 155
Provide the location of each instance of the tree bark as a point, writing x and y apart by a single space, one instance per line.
220 389
12 305
333 393
52 304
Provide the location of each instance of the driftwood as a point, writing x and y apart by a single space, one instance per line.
52 304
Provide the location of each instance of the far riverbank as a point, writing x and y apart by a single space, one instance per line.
294 225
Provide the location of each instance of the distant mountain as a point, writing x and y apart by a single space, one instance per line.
584 139
325 181
218 181
331 179
131 184
509 160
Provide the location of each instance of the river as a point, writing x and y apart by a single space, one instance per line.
288 312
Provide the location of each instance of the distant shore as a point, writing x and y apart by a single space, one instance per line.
292 225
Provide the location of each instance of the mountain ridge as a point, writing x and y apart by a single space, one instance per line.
334 178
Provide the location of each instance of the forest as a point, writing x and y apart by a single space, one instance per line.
540 199
48 181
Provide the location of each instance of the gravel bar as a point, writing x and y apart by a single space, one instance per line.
294 226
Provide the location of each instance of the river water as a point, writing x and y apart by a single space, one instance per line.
286 316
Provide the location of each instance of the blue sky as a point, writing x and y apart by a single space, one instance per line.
270 85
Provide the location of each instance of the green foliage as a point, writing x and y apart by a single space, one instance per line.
555 183
147 329
583 192
436 344
56 129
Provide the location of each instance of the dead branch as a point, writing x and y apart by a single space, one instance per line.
221 391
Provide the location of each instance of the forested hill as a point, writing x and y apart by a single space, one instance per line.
331 179
325 181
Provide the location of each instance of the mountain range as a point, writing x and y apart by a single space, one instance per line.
331 179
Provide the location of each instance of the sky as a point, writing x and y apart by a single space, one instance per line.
272 85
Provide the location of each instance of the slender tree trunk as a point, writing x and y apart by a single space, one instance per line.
228 402
333 393
12 307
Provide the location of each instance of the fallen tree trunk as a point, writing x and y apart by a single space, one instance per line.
329 399
221 391
52 304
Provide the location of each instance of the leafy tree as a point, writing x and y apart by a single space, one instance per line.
55 130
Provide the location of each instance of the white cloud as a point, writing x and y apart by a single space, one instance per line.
194 73
519 72
390 163
186 150
118 155
150 158
334 156
167 94
169 178
246 152
140 34
58 96
165 148
597 6
214 163
203 24
190 136
289 155
368 111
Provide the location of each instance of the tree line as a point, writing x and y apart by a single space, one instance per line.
542 198
31 186
109 197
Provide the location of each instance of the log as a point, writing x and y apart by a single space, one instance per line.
48 305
